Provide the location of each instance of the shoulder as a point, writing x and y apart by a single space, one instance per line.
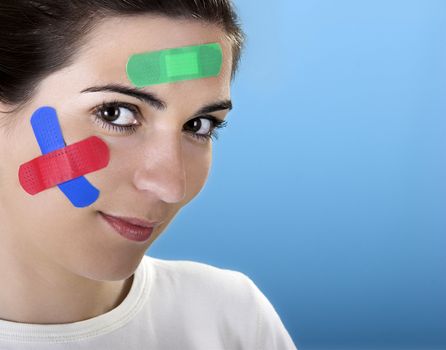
208 292
197 274
226 296
213 295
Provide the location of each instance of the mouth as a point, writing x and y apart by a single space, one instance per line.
133 229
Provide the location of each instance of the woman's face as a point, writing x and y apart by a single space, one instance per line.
153 171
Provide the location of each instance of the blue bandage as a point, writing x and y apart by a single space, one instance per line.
49 136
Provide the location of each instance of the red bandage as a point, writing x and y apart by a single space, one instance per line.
64 164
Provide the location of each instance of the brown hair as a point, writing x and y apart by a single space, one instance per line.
39 37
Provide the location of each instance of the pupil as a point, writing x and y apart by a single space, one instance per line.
111 113
197 124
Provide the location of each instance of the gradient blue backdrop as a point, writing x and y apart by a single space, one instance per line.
328 186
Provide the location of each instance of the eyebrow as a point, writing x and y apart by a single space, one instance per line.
154 101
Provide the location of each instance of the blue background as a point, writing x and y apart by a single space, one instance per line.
328 186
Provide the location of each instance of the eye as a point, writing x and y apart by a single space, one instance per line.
119 116
200 124
204 128
124 118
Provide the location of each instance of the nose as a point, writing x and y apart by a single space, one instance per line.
160 168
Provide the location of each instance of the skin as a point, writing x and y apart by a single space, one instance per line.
54 256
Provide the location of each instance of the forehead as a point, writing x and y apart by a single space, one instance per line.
106 50
151 32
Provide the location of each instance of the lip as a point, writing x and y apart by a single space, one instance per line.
134 221
131 228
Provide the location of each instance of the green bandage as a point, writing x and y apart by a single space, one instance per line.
183 63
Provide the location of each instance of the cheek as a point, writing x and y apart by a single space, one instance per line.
22 212
16 150
47 221
119 171
197 170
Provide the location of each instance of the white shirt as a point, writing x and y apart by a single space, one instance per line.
171 305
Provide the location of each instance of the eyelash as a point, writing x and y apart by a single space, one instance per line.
130 129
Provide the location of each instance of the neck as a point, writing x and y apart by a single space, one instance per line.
43 293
